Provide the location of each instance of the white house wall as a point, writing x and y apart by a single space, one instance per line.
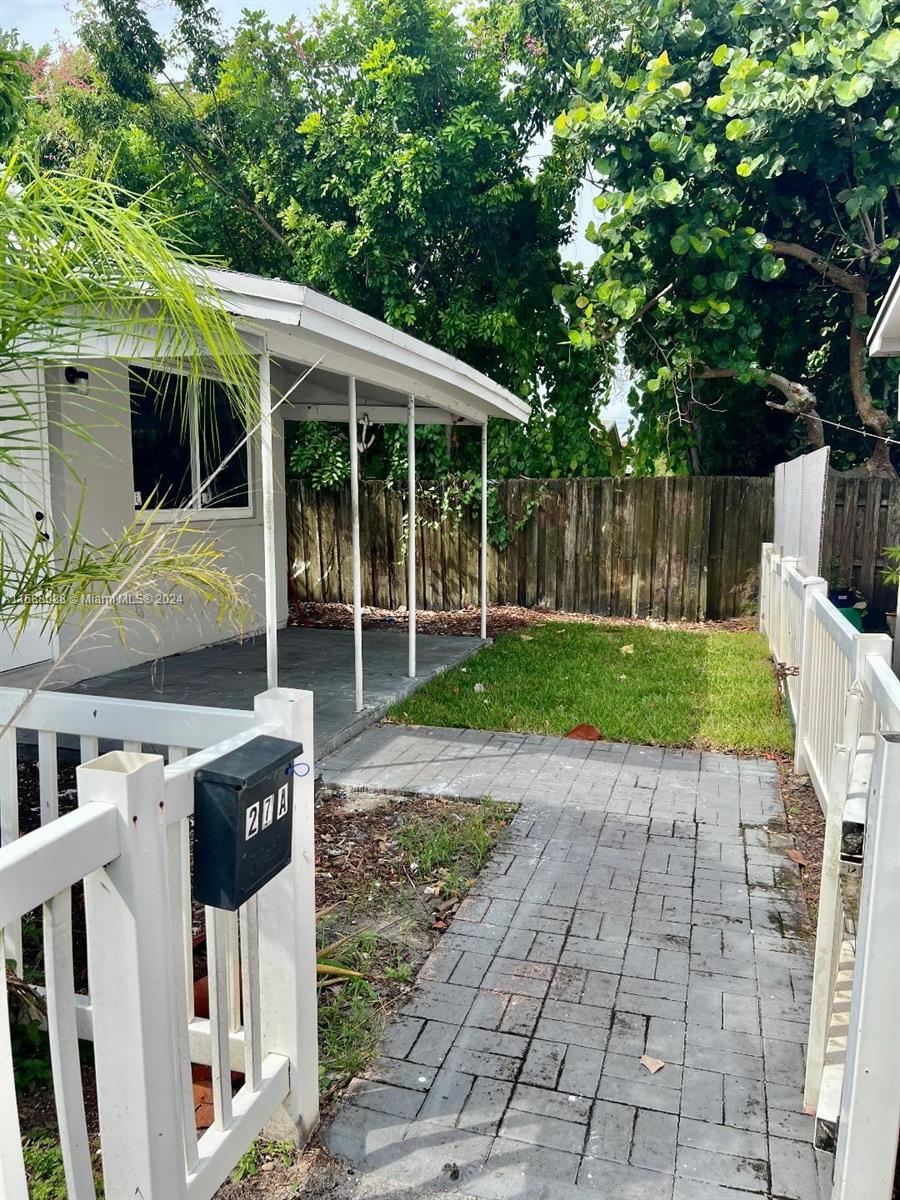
94 485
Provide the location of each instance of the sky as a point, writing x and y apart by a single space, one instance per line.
40 21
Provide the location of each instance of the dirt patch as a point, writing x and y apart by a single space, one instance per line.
806 823
501 618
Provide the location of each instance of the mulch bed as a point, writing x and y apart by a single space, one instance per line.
501 618
806 822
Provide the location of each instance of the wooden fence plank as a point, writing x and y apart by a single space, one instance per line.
662 565
677 548
714 556
645 525
694 553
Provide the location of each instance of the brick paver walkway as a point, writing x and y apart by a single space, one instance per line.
642 903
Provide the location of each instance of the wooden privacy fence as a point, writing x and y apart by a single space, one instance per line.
669 548
862 516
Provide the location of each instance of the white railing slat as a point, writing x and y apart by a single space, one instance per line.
179 891
12 1162
67 1086
59 983
218 978
9 831
250 992
89 747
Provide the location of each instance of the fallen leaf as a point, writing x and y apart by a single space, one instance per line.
479 687
652 1064
629 649
798 857
584 733
527 637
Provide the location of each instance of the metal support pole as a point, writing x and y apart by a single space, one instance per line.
354 515
483 546
268 507
411 531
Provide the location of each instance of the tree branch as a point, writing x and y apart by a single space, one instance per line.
800 400
844 279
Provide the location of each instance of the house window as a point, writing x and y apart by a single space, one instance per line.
182 430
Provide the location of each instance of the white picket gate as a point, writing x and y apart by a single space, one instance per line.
845 701
129 840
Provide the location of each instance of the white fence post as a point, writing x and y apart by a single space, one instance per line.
287 932
805 698
782 632
128 931
765 585
869 645
870 1099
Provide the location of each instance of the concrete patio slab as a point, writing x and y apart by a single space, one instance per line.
230 674
641 903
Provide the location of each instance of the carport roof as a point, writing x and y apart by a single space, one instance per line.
303 327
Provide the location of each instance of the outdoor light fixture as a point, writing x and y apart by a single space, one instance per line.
78 379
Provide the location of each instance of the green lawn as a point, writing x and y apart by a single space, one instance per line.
674 688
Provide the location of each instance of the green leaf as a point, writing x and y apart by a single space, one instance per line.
669 192
869 13
682 89
886 48
717 104
721 55
737 128
679 243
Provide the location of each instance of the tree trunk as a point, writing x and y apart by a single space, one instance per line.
876 420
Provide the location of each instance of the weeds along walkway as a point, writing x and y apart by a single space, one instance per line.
642 903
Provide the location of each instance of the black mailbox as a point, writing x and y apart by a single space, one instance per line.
243 814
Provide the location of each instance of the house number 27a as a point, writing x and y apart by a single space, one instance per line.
269 807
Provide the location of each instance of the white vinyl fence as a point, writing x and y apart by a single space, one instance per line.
129 841
845 700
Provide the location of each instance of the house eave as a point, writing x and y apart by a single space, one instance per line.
372 349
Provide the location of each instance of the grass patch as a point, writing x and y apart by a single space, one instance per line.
262 1151
673 687
44 1167
454 847
427 855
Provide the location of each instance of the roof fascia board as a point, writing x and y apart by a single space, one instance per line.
308 350
279 303
884 336
414 356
